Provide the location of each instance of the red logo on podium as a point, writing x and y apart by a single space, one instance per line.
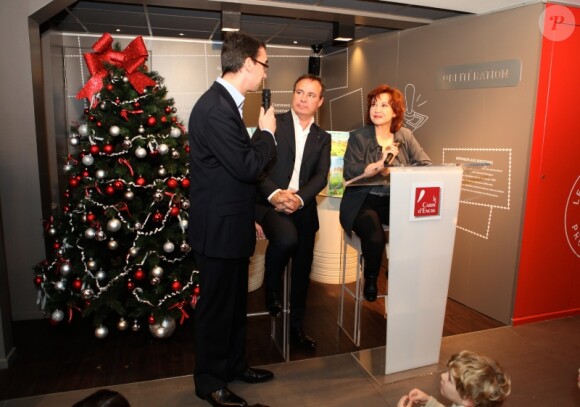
427 202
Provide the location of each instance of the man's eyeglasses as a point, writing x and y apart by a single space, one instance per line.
265 65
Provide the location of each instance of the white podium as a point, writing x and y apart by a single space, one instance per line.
423 218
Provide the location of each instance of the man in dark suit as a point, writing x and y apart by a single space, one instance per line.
286 207
224 167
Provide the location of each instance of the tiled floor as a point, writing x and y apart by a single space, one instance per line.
542 358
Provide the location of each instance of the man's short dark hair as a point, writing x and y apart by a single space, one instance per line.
311 77
238 46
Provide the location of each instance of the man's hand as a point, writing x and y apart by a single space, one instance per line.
267 120
286 201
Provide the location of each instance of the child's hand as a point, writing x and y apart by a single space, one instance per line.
404 402
418 397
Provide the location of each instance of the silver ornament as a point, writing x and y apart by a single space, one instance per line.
133 251
162 149
88 160
161 171
60 285
90 233
73 141
87 294
157 271
114 131
103 106
138 226
101 235
185 203
122 325
184 223
101 275
164 328
158 196
175 154
175 132
65 269
67 167
101 331
154 281
140 152
114 225
61 251
100 174
168 247
57 315
92 265
83 130
129 194
141 129
136 326
52 231
113 244
127 143
125 79
115 78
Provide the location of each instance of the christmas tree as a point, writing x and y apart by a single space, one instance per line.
120 238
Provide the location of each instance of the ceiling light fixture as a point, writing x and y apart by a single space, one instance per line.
342 31
231 20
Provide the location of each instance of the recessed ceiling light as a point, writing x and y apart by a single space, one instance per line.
294 42
118 30
181 34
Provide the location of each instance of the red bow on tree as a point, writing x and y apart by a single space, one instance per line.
130 59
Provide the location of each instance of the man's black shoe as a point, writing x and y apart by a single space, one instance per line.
299 338
224 398
253 375
273 303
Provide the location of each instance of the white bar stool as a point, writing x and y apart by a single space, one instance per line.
283 344
354 242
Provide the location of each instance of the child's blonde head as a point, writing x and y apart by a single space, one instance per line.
479 379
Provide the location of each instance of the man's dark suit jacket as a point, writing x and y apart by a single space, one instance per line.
224 167
313 171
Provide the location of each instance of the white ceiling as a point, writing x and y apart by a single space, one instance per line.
279 22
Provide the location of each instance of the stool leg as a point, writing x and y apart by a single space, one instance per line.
358 301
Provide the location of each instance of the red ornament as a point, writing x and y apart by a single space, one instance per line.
137 104
185 183
174 211
38 280
151 320
139 274
77 284
56 245
91 217
110 190
172 183
109 87
196 290
66 194
86 174
66 209
86 111
167 109
94 149
174 119
119 184
99 124
151 121
130 285
108 148
157 217
176 285
73 182
140 181
186 148
163 119
92 118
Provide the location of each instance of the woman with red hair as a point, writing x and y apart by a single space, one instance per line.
370 150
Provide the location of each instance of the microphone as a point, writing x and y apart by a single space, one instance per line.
266 98
391 156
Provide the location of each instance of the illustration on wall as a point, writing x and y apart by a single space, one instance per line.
413 119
